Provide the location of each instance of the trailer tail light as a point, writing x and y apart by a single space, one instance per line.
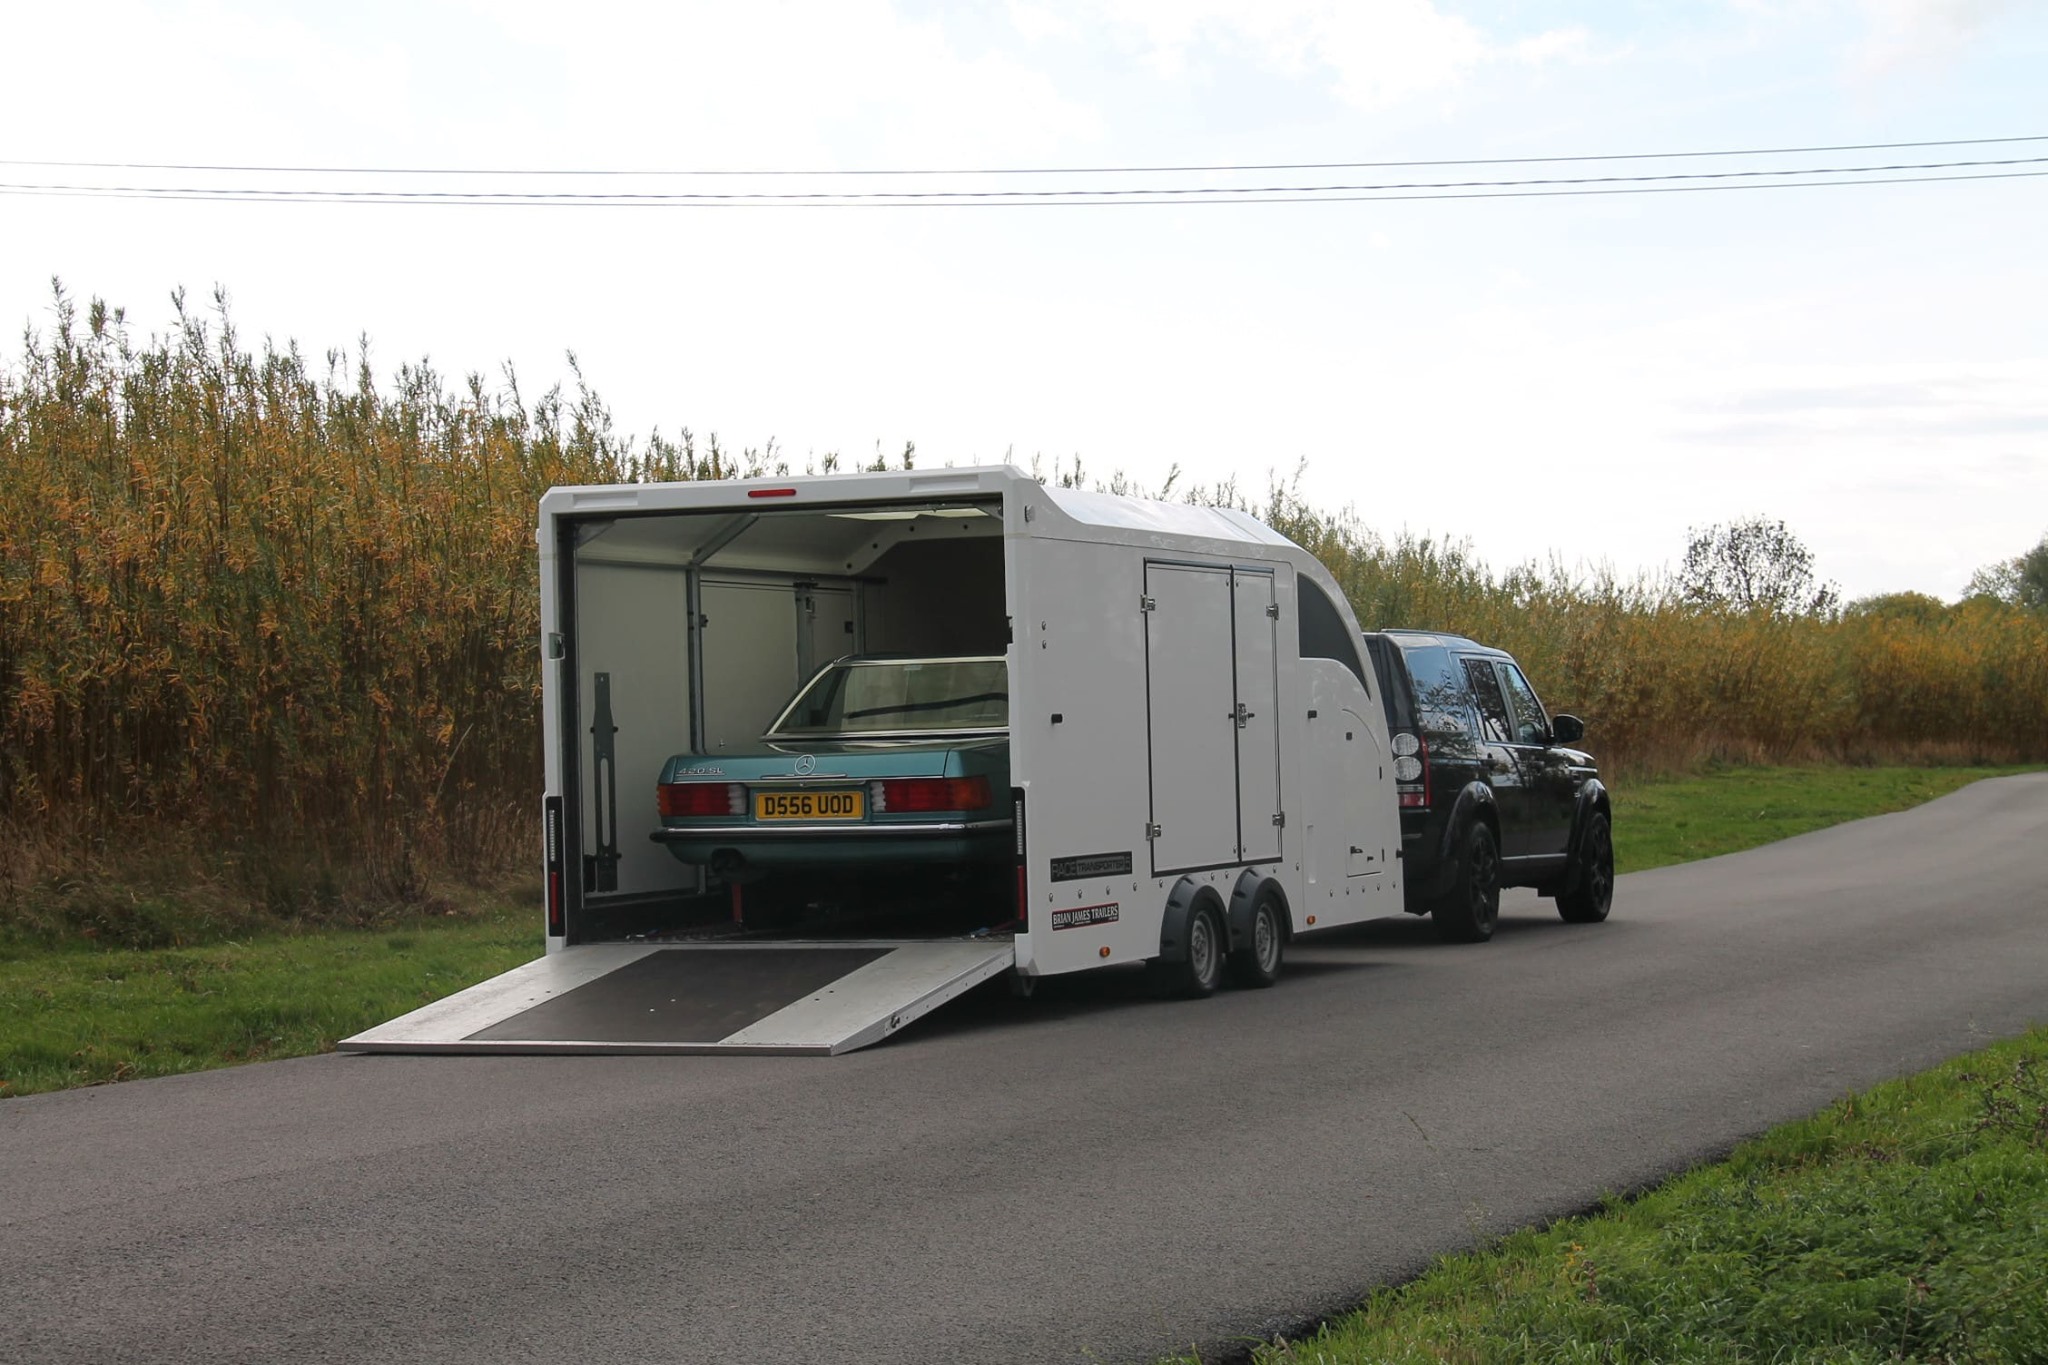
914 795
1023 901
551 840
1411 770
700 798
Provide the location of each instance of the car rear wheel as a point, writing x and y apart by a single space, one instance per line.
1468 911
1257 964
1591 894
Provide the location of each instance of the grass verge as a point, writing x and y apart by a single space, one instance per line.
1908 1223
82 1015
1729 809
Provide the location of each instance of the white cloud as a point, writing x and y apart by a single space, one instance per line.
783 83
1907 33
1376 53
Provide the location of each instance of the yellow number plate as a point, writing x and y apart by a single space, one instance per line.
810 805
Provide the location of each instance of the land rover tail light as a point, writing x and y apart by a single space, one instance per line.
1411 770
551 839
922 795
700 798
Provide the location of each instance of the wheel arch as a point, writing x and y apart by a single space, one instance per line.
1475 802
1181 902
1592 800
1244 899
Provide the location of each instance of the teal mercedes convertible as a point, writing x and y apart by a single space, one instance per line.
878 764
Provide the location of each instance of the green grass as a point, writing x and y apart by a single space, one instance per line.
73 1012
81 1015
1730 809
1906 1223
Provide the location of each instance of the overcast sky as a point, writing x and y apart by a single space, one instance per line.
1587 376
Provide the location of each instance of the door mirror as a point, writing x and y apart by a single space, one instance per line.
1567 729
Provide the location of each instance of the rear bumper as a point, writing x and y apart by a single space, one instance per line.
927 843
746 834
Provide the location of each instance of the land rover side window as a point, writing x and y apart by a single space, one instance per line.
1493 707
1323 632
1441 701
1531 725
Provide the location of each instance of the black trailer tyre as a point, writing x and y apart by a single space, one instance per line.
1201 971
1257 964
1467 912
1592 890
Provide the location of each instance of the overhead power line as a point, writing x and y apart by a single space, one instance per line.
1782 178
1230 168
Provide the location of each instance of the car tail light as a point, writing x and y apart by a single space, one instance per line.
1411 770
906 795
701 798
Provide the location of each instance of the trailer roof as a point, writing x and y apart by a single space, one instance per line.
1172 518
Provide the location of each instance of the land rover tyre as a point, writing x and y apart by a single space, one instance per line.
1200 970
1467 910
1590 893
1257 964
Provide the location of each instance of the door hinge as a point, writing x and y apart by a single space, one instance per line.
1151 832
1280 818
1273 610
1148 604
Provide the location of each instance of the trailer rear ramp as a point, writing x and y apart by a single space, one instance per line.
817 998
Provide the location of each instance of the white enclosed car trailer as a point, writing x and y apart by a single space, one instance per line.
1192 730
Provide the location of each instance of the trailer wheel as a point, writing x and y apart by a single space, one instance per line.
1257 964
1201 971
1468 910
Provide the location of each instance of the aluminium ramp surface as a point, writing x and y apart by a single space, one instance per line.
819 998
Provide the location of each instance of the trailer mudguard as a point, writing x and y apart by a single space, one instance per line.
1187 893
1244 898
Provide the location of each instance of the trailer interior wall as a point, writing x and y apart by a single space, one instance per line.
775 595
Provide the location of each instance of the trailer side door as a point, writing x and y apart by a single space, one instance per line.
1212 714
1190 694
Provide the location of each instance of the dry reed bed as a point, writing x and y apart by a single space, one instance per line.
253 603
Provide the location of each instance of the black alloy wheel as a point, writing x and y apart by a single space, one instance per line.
1468 912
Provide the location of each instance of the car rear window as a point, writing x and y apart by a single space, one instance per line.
897 695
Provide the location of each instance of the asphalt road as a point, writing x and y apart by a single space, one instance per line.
1087 1176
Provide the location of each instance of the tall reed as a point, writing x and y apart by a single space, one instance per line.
253 601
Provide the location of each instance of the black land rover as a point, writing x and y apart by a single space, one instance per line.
1491 795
